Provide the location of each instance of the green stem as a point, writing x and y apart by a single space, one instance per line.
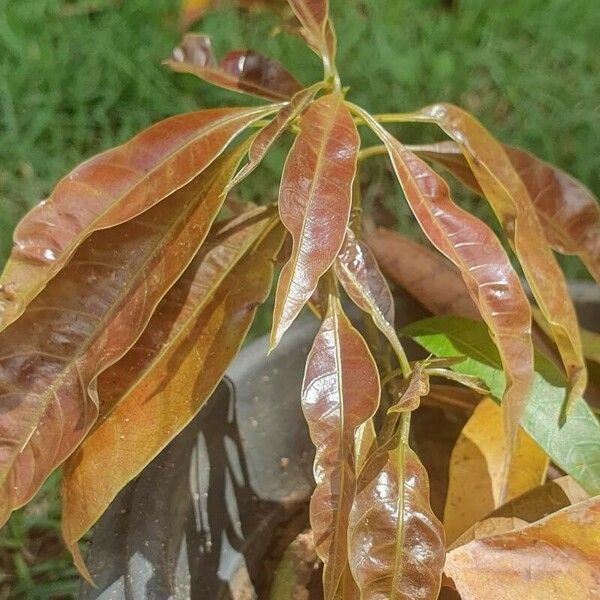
372 151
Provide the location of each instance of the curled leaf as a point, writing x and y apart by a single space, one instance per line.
87 317
487 272
477 469
160 384
417 386
314 203
510 200
395 542
568 211
340 393
112 188
242 71
552 559
357 270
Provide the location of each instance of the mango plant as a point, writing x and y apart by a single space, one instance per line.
132 287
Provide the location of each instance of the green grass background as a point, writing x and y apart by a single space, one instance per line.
75 81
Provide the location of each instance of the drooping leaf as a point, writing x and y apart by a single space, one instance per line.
487 272
314 202
267 136
509 198
340 392
242 71
395 542
477 469
568 211
357 270
112 188
574 447
428 276
161 383
552 559
86 318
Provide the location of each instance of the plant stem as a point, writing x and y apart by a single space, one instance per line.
372 151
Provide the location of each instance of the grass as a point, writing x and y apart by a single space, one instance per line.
74 82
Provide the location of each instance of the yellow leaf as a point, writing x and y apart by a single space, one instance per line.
552 559
477 469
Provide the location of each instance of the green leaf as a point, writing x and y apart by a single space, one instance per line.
574 446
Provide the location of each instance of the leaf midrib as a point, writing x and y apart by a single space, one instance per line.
311 195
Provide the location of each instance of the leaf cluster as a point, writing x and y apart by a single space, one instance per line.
131 289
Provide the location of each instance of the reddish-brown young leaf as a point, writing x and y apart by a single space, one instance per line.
314 202
395 542
568 211
487 272
242 71
160 384
357 270
267 136
340 392
112 188
417 386
427 275
86 318
552 559
510 200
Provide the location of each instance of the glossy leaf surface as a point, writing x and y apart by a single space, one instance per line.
477 469
568 211
112 188
269 134
555 558
87 317
340 392
314 203
428 276
396 544
357 270
510 200
574 447
487 272
160 384
242 71
416 387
